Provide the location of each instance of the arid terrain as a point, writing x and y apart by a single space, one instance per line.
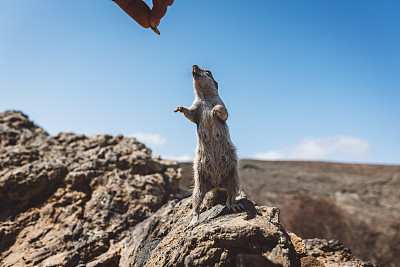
357 204
102 200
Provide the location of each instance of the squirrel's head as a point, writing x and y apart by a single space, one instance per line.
203 82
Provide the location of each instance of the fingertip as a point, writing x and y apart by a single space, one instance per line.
156 13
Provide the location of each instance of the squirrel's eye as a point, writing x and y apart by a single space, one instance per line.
208 72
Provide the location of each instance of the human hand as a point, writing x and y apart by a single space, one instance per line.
141 13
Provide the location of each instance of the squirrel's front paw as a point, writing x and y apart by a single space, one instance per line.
219 111
214 113
180 108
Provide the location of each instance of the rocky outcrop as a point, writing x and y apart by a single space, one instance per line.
76 200
165 239
331 253
65 199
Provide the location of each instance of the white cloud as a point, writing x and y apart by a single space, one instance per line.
181 158
150 139
331 148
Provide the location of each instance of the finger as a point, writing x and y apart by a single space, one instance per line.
169 2
136 9
157 12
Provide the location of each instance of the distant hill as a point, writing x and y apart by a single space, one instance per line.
358 204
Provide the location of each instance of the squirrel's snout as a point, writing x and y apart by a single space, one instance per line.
195 70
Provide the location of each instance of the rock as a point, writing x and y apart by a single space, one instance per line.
101 200
331 253
298 244
309 261
300 247
17 129
64 200
321 252
243 260
164 239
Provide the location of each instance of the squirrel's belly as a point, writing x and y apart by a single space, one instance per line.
215 151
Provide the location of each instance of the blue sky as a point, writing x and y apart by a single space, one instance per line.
308 80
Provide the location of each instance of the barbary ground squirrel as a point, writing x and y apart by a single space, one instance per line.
216 163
